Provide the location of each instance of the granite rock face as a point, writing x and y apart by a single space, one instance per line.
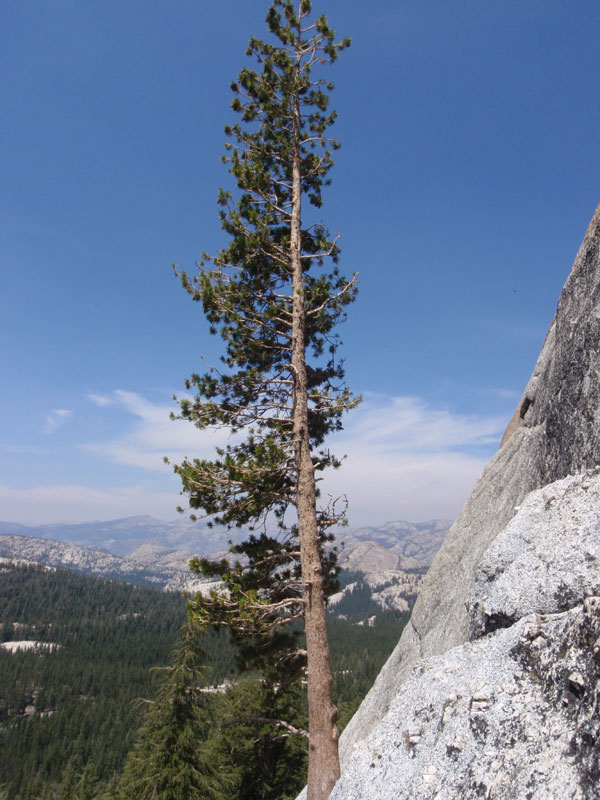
513 715
547 559
524 551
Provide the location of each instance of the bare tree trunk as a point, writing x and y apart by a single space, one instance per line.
323 758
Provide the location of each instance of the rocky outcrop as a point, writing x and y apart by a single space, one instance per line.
511 716
389 589
397 545
522 556
547 559
513 713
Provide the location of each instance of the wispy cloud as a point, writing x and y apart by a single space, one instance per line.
153 434
100 400
405 458
56 418
410 425
408 460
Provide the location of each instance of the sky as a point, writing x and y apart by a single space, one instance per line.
468 172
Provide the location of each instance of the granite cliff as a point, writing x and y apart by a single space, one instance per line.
494 688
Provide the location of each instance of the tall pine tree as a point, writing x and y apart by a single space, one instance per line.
276 303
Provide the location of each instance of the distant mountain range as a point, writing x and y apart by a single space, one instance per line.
144 550
121 536
148 565
398 545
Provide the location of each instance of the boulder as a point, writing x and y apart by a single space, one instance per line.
513 713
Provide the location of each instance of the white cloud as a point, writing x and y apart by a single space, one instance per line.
406 459
154 435
409 424
100 400
56 418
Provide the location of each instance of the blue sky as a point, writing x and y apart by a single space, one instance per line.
468 173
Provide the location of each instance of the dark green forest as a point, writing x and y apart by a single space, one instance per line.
69 716
72 708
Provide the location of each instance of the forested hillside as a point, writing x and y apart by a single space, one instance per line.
68 714
71 707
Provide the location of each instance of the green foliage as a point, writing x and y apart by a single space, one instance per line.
260 602
91 686
358 652
246 290
81 694
257 748
172 759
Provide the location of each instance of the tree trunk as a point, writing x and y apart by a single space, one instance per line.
323 758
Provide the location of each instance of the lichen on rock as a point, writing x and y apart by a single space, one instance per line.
512 715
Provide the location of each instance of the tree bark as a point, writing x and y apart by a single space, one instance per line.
323 758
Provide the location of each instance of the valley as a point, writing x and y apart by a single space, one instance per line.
82 628
149 552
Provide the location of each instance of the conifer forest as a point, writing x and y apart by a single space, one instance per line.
80 720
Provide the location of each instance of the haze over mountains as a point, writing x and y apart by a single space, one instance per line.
121 536
149 551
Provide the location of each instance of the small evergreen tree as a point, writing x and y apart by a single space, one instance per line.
172 759
87 784
264 759
276 306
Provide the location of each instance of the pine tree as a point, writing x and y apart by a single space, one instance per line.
172 759
87 783
276 305
263 761
259 603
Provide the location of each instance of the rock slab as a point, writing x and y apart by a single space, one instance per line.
521 557
514 715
